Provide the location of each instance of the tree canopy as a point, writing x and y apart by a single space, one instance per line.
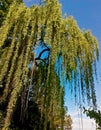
72 50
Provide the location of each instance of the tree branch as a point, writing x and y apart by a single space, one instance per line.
39 57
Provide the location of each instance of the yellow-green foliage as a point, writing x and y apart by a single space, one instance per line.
79 50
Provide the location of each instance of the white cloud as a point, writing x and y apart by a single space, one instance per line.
83 123
88 124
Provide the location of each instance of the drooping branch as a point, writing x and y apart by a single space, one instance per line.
43 51
79 52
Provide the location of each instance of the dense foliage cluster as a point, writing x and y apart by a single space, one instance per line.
4 8
94 114
31 97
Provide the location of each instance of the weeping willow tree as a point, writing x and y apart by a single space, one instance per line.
76 49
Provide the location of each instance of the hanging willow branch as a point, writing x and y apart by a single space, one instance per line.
79 51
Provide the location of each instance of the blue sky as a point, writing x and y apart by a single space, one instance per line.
88 16
87 13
